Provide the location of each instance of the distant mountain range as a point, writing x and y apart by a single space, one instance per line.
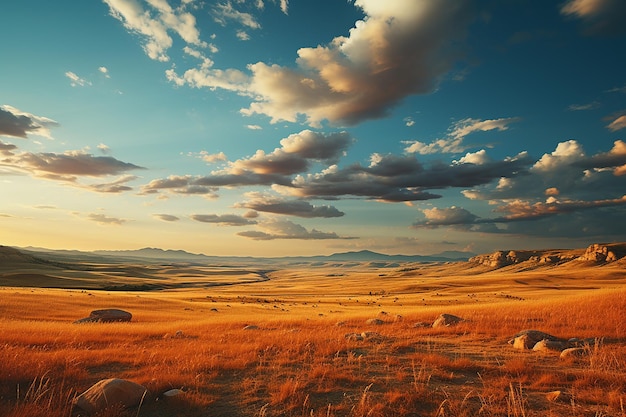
169 255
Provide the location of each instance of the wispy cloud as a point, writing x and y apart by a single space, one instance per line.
225 12
283 229
166 217
105 220
104 71
223 219
618 124
599 16
454 141
76 81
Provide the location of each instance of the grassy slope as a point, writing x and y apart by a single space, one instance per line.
298 362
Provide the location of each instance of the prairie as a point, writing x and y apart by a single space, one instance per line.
295 340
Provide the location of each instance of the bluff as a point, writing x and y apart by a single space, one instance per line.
596 253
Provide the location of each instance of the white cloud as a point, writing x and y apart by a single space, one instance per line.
17 123
224 12
154 23
105 71
76 81
243 35
453 143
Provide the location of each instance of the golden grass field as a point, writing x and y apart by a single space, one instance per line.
297 361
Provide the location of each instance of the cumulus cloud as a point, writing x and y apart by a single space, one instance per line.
295 156
223 219
76 81
19 124
154 23
283 229
400 48
451 216
599 16
454 141
270 204
166 217
213 157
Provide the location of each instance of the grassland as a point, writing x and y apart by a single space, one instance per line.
261 342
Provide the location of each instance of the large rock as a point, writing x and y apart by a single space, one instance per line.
447 320
549 346
527 339
109 315
598 253
110 392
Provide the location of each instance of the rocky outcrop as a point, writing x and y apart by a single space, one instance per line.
108 393
598 253
109 315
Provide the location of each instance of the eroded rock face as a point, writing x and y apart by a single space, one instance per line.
109 315
110 392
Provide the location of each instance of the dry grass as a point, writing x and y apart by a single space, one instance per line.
298 361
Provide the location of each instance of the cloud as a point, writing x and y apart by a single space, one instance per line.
113 187
295 156
19 124
299 208
599 16
254 127
395 178
399 49
69 164
153 24
166 217
224 12
223 219
7 149
104 71
451 216
103 148
243 35
76 81
453 143
617 124
584 107
105 220
213 157
283 229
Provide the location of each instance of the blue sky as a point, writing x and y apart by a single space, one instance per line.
276 127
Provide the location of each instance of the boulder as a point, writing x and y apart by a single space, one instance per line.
530 338
375 322
546 345
522 342
446 320
109 315
573 353
110 392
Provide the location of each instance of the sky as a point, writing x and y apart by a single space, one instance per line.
300 127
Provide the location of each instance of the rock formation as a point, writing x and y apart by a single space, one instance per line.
110 392
109 315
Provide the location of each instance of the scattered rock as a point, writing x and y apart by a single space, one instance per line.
372 336
110 392
522 342
531 337
375 322
546 345
251 327
353 337
109 315
559 396
422 324
173 392
598 253
447 320
573 353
